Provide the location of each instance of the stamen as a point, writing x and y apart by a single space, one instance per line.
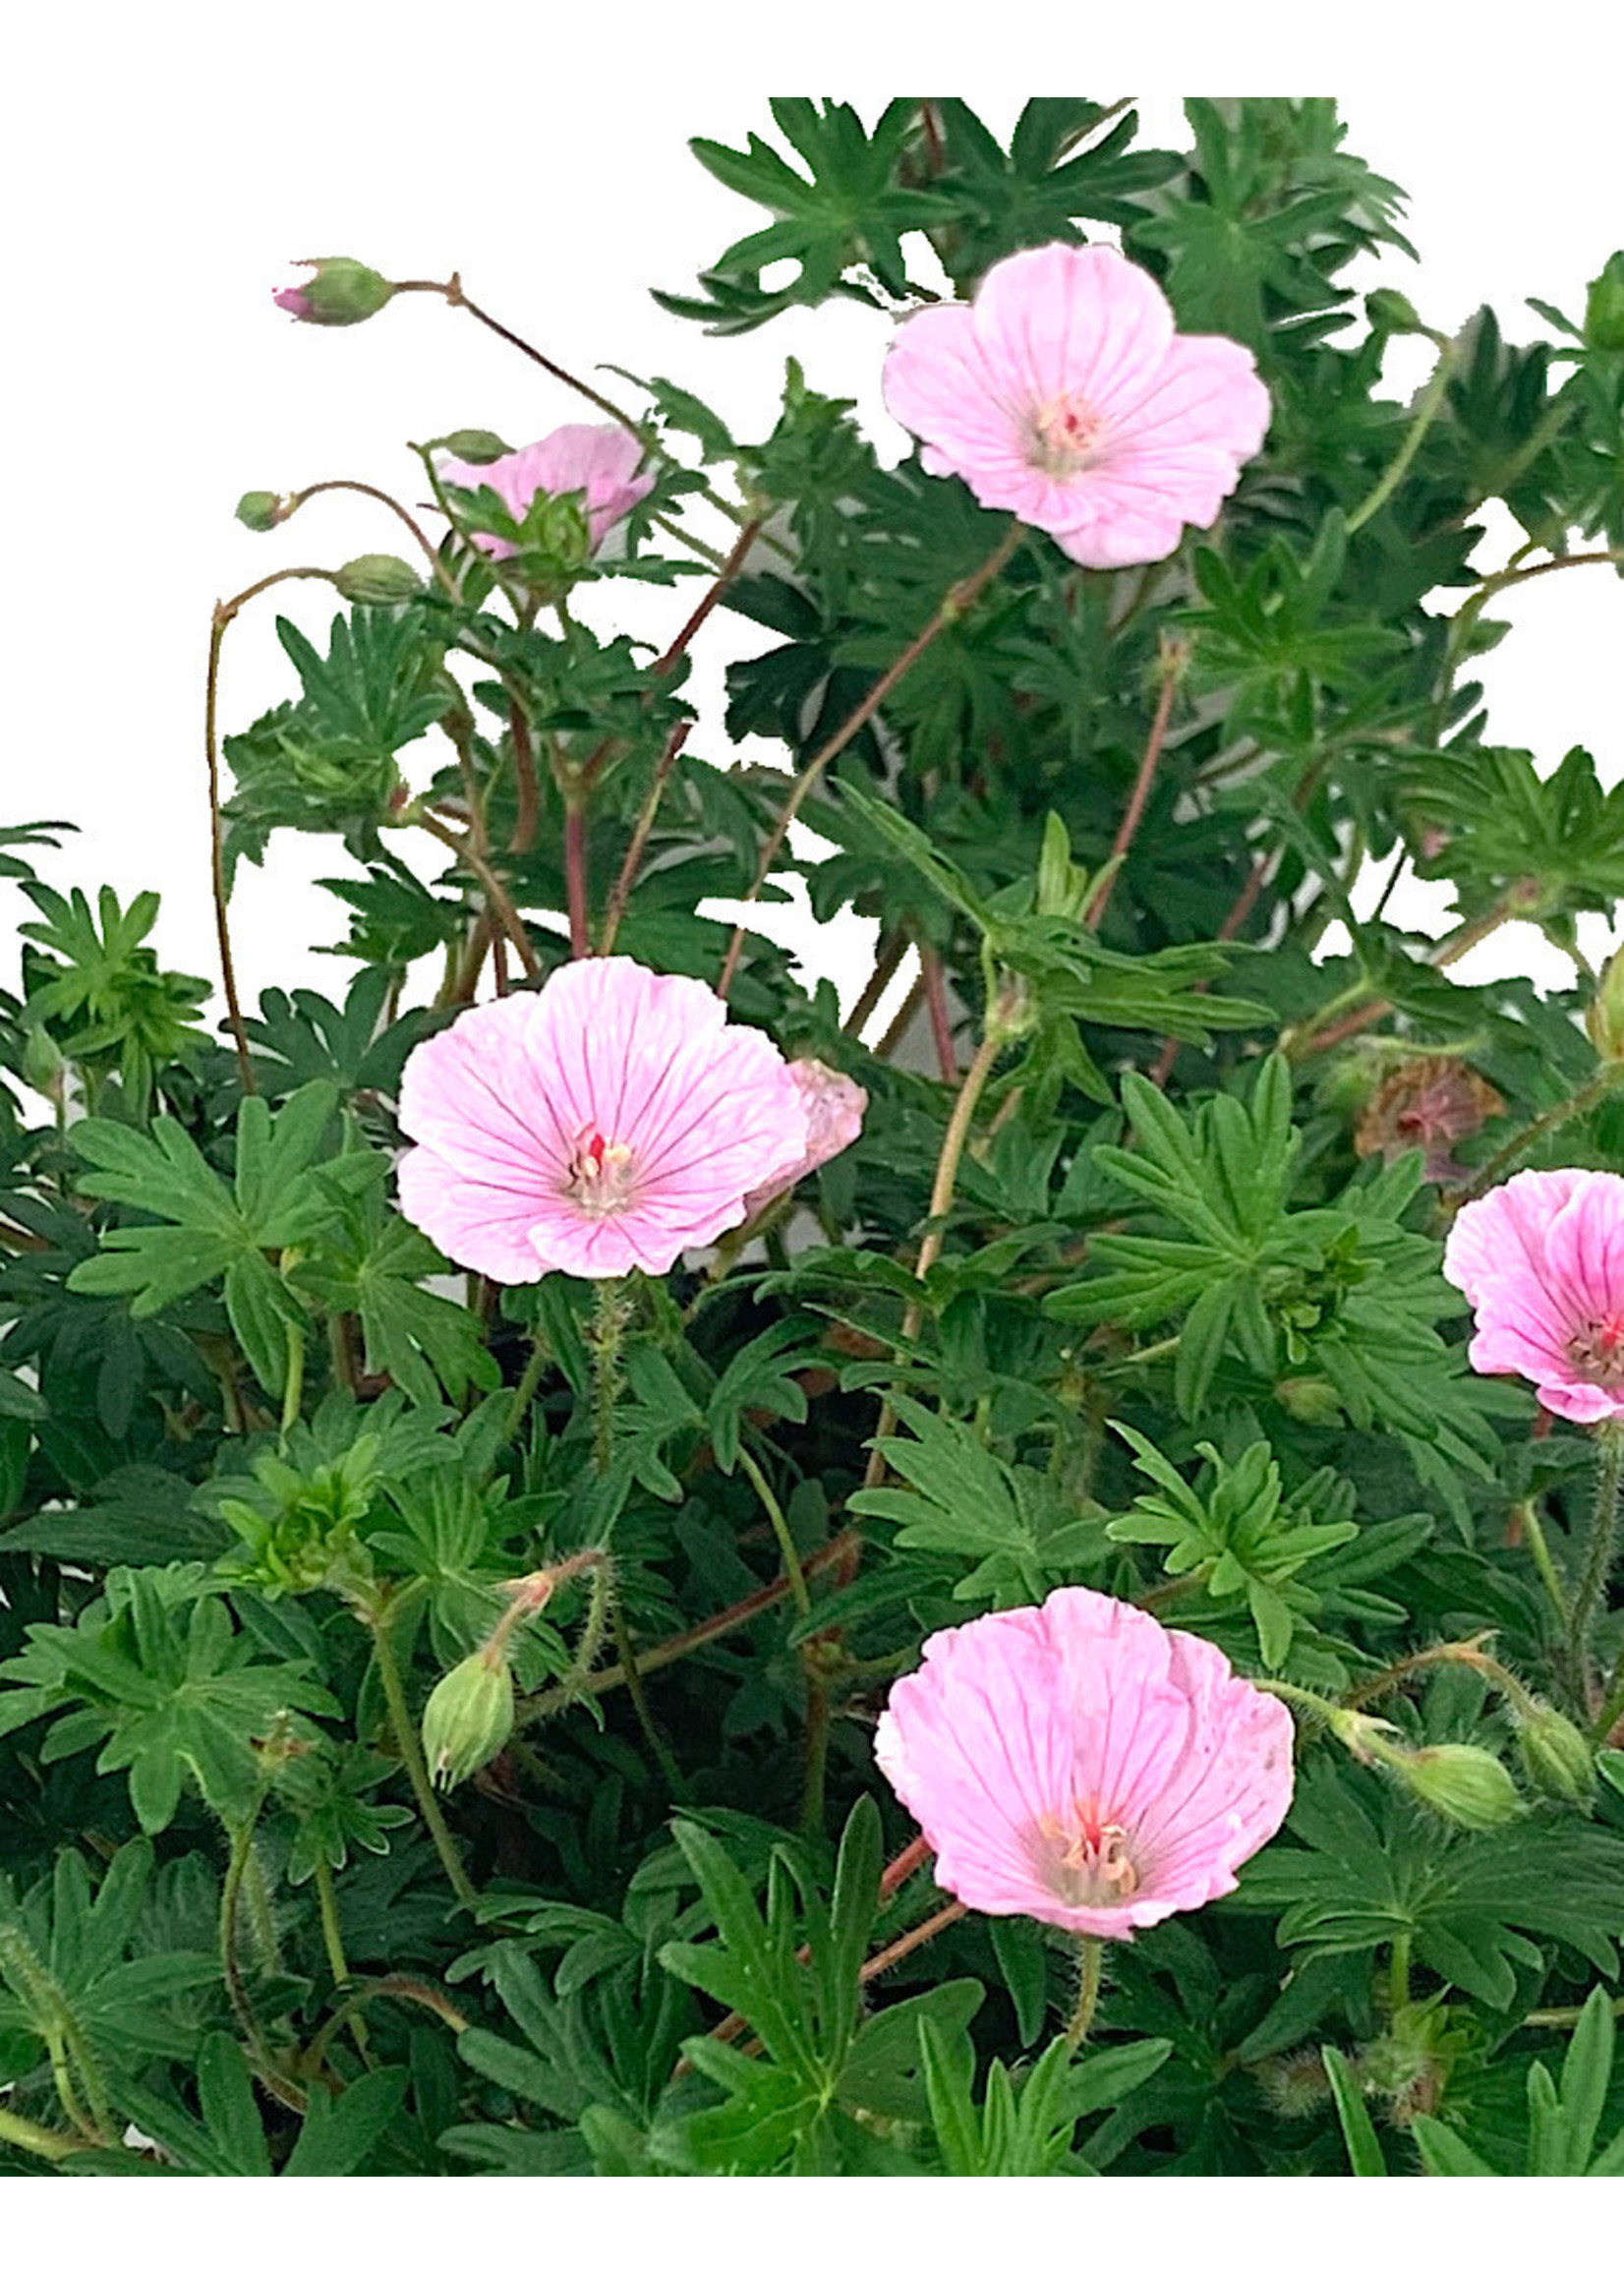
1598 1349
1092 1864
1066 436
599 1174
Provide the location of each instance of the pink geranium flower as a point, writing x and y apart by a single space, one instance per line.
599 1126
835 1105
1061 394
598 464
1084 1765
1540 1260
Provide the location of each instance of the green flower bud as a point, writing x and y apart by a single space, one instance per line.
475 445
1309 1398
379 579
1468 1785
1604 1016
1390 311
469 1718
338 291
1557 1757
261 509
1604 306
44 1068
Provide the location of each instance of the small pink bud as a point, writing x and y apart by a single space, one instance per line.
339 291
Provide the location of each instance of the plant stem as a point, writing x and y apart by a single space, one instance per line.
905 1944
1427 407
552 1701
961 597
993 1042
294 1389
455 297
527 789
792 1572
725 575
632 1674
1090 1953
575 874
54 2146
411 1755
936 1002
1528 1514
535 1364
471 858
403 1986
633 861
442 575
1174 656
1398 1972
333 1940
1598 1565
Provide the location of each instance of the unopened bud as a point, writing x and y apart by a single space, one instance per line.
1557 1756
377 579
263 509
1604 1016
1604 306
475 445
1462 1782
44 1068
338 290
1309 1398
469 1717
1390 311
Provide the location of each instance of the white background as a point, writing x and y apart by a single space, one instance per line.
161 167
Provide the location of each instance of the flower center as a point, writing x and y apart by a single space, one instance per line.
1088 1862
1066 436
599 1175
1597 1350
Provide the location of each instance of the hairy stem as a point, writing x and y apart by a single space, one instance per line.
1090 1953
411 1756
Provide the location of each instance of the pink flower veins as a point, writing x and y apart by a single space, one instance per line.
1540 1260
599 1126
1084 1765
1061 394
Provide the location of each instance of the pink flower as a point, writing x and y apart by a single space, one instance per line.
1061 394
293 302
599 1126
835 1106
598 464
1084 1765
1540 1260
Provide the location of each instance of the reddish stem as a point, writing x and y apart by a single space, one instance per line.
575 878
1140 796
941 1026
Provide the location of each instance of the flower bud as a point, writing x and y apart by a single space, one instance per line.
1604 1016
1468 1785
44 1068
475 446
1311 1399
1557 1756
261 509
1390 311
338 291
1604 306
469 1718
377 579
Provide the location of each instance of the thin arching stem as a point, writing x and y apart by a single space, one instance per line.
961 597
